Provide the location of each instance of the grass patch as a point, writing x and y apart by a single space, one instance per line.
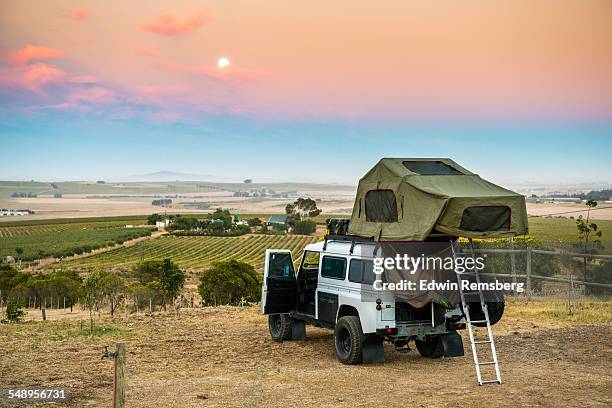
590 312
61 330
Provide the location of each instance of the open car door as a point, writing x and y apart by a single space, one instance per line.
279 291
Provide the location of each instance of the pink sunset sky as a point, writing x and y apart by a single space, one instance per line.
545 59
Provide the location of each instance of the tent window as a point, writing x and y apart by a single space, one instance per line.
486 218
380 206
431 168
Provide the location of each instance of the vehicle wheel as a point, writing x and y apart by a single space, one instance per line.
431 347
280 327
496 311
348 339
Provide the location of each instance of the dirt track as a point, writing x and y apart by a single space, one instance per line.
224 357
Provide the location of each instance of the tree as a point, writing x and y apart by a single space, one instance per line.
92 288
164 275
112 287
305 227
153 218
14 314
19 252
223 215
171 280
229 282
302 207
585 229
248 181
255 222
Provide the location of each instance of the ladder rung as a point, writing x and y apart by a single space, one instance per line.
487 363
478 321
482 341
490 381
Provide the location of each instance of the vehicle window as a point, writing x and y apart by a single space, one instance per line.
361 271
311 260
380 206
279 265
333 267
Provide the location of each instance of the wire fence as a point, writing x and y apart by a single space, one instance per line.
559 273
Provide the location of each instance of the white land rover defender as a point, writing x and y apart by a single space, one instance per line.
333 288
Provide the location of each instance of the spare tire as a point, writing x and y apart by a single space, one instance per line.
495 309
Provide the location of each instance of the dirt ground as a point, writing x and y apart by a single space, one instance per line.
224 357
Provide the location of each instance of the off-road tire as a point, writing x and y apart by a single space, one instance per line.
431 347
280 327
496 311
348 340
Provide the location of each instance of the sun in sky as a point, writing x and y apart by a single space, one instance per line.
223 63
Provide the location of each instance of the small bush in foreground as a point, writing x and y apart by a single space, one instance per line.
14 313
229 283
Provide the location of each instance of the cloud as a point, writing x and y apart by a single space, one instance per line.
78 14
33 77
95 94
34 53
168 25
231 74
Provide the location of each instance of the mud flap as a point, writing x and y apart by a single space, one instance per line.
298 330
453 346
373 350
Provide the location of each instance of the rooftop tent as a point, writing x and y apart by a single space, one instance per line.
408 199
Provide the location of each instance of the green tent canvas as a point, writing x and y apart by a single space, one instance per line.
403 199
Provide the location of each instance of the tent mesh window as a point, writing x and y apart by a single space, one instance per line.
380 206
486 218
431 168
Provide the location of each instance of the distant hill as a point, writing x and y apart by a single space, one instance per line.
165 175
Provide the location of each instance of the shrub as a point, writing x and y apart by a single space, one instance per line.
14 313
229 282
304 227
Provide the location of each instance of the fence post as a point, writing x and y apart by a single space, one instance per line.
528 272
513 265
150 305
570 292
119 391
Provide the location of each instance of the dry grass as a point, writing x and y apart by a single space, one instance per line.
223 357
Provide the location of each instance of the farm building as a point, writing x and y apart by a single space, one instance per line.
277 220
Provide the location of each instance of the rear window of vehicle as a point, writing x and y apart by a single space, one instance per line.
431 168
333 267
380 206
486 218
361 271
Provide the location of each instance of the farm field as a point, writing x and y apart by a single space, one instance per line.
194 252
41 240
224 357
563 230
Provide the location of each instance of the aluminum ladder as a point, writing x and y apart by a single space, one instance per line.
469 322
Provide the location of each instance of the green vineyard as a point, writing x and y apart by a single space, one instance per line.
41 240
195 252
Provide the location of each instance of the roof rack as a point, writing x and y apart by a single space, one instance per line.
353 239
